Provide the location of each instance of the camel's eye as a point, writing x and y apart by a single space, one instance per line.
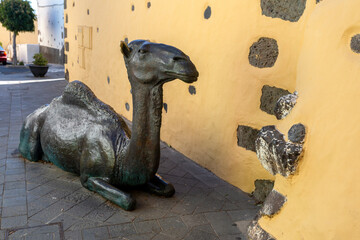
142 51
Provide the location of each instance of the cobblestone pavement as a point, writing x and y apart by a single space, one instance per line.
40 201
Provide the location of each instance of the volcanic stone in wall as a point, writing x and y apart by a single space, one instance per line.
269 97
67 46
207 12
273 203
246 137
262 189
284 105
192 90
355 43
296 133
288 10
263 53
275 154
255 232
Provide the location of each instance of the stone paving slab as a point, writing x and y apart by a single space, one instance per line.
47 203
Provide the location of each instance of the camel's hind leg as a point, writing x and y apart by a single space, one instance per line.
30 146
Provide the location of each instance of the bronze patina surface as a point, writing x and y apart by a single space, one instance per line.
79 133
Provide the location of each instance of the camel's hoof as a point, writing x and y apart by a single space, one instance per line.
129 205
169 190
160 187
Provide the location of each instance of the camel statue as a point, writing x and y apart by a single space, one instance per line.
80 134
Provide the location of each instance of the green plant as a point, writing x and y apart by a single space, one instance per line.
21 63
17 16
39 60
1 44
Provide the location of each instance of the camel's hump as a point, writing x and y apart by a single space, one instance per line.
78 94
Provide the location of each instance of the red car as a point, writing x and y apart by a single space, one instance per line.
3 56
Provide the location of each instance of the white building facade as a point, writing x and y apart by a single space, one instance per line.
50 14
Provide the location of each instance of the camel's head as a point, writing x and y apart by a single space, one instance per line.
154 63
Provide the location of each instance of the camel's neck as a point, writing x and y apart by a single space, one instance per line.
144 149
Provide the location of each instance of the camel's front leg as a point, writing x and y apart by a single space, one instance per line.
115 195
96 167
159 186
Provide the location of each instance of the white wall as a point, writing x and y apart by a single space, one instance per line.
51 23
26 52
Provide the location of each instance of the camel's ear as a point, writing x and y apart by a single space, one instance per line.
125 49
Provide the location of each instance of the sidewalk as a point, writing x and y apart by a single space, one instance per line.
22 73
40 201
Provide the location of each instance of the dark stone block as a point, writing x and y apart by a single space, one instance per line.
67 46
132 8
88 12
108 79
275 154
148 4
65 32
285 10
284 105
127 106
355 43
296 133
165 107
246 137
65 4
192 90
207 13
317 1
255 232
262 189
273 203
263 53
67 72
66 18
269 98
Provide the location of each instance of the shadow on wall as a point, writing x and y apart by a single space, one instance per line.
53 55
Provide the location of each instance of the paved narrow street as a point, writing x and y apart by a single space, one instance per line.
40 201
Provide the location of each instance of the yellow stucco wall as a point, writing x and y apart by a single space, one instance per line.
323 197
22 38
228 91
314 59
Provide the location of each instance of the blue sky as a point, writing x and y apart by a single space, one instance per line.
33 4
